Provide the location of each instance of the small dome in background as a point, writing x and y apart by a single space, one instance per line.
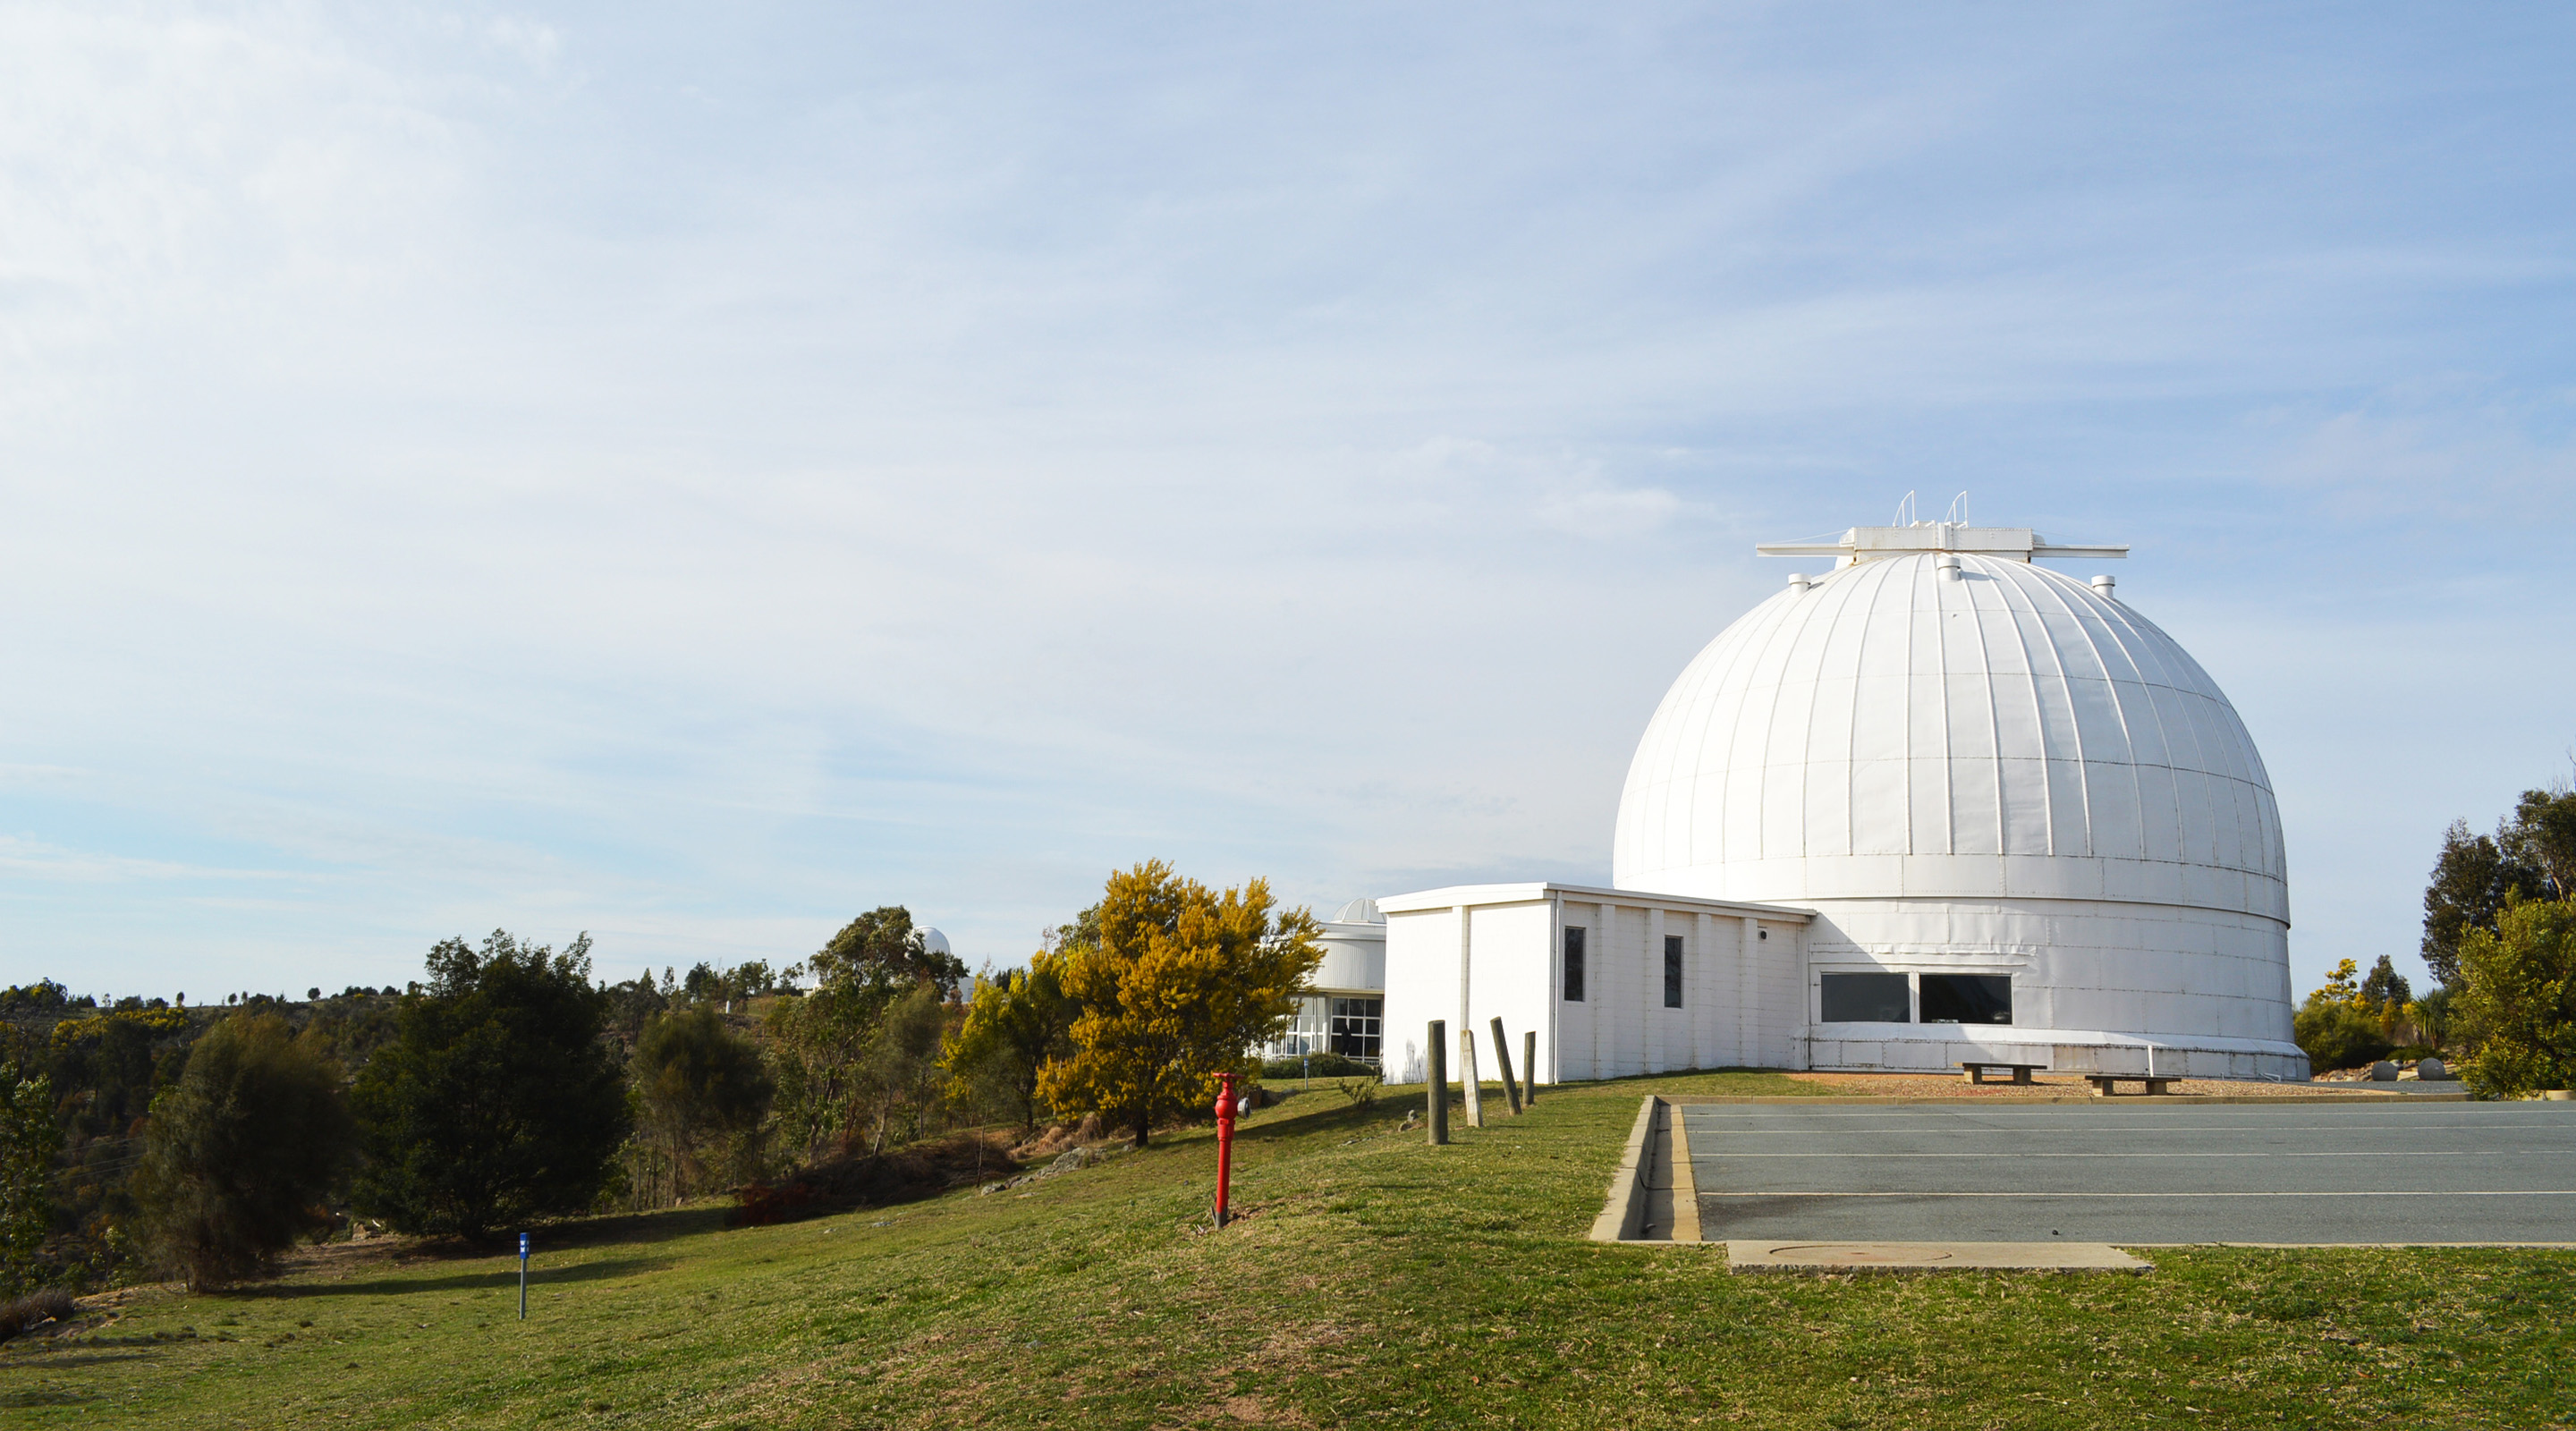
1359 911
935 942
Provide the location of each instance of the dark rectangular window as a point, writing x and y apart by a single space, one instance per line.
1967 999
1672 971
1573 965
1354 1032
1867 999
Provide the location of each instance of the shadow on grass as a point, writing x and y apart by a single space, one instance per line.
539 1276
29 1400
67 1358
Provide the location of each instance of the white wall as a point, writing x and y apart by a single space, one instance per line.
1735 1010
2096 985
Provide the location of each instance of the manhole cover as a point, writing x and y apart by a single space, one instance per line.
1858 1253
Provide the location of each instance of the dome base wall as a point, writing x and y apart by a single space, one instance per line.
1941 1048
2095 984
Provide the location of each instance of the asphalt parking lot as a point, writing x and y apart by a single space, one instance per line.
2137 1172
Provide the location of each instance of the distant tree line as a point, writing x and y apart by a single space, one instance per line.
2500 941
511 1086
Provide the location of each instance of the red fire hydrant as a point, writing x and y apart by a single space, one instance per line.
1224 1141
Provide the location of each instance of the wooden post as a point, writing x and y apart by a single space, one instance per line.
1503 1066
1529 1068
1468 1079
1436 1086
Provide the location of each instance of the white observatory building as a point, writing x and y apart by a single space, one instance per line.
1940 803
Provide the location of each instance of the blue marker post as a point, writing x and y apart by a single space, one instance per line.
523 1276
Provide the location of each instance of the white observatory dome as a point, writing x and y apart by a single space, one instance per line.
1889 730
934 942
1965 760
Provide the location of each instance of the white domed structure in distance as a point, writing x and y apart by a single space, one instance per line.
1977 769
934 942
1342 1008
1358 911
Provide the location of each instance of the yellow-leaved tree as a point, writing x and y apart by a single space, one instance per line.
1178 985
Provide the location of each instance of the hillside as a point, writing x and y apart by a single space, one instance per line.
1373 1281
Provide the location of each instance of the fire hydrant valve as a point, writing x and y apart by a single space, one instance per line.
1224 1141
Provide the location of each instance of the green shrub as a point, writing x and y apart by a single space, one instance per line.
1320 1065
2334 1034
2518 1000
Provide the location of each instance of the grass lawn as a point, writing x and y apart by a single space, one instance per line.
1376 1281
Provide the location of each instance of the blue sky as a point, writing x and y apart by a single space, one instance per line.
693 474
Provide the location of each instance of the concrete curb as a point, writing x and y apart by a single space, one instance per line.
1654 1199
1623 1213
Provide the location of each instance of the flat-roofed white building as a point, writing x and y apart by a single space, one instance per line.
1613 981
1982 810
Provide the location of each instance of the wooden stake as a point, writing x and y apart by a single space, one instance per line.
1436 1088
1529 1068
1503 1066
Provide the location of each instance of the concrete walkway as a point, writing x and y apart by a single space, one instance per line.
2136 1173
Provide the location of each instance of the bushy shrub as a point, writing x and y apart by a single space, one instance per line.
2334 1034
52 1304
1319 1065
2518 999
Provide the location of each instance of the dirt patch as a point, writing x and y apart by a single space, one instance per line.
1059 1139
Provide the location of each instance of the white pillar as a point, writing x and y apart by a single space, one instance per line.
1596 976
1650 1008
1748 987
1465 963
1699 986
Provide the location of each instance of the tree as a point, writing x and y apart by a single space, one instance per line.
497 1102
2385 989
880 952
28 1140
852 1053
697 1083
239 1158
1016 1023
2518 1000
2471 880
1179 986
2541 837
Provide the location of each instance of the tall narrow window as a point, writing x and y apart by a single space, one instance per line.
1574 965
1672 971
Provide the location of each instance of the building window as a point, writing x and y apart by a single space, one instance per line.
1672 971
1867 999
1354 1031
1967 999
1573 965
